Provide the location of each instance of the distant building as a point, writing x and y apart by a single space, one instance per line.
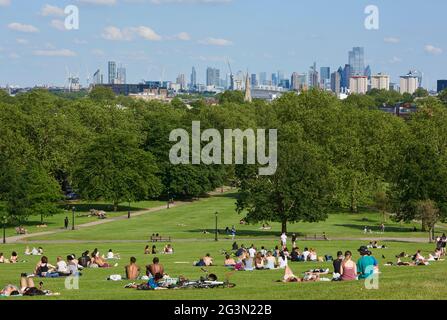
409 83
380 82
263 78
181 81
254 80
345 76
247 97
193 84
121 77
212 77
313 76
111 72
336 81
97 77
356 59
325 77
298 82
442 85
274 79
358 84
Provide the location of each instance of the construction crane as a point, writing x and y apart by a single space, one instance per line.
231 75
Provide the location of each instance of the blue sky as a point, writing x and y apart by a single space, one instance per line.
151 37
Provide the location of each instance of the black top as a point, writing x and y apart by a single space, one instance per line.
337 265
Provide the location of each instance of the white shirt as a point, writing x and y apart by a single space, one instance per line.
282 262
252 252
305 254
283 238
110 255
62 267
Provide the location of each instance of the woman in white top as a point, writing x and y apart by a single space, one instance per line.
61 266
282 261
270 261
313 255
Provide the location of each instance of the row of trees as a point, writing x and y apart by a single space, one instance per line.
330 153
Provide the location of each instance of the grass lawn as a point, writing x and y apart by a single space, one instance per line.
427 282
191 220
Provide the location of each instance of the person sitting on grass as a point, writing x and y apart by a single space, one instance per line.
276 252
234 246
99 261
154 268
241 251
365 265
84 260
263 251
2 258
312 255
14 257
147 250
168 249
229 262
248 263
62 267
305 254
419 259
154 249
259 261
208 260
282 260
44 269
337 265
73 265
348 268
295 256
270 261
132 270
152 284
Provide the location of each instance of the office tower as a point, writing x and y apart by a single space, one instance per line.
357 61
254 80
112 72
181 81
409 83
280 76
325 77
368 72
313 76
284 83
193 84
380 82
336 81
345 76
212 77
358 84
121 75
294 83
274 79
442 85
263 78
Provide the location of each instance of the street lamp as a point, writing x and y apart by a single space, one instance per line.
73 209
5 220
215 238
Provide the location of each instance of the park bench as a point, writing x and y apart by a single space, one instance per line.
160 239
316 237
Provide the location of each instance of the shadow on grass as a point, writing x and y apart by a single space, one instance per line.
376 228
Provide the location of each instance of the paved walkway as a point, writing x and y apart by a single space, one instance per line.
22 238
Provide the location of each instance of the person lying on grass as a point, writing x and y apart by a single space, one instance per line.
168 249
132 270
27 288
290 277
229 262
99 261
112 256
154 283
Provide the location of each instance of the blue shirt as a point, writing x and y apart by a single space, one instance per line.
365 266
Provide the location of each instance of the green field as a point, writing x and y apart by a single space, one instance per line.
186 223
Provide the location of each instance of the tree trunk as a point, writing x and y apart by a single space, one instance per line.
115 206
41 219
430 239
284 226
424 226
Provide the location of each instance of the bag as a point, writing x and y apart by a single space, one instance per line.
115 277
328 258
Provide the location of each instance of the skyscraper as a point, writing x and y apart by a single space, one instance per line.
313 76
254 80
193 84
181 80
263 78
336 81
112 72
325 77
345 76
298 82
97 77
212 77
121 75
357 61
274 79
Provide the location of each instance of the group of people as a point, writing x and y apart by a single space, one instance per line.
13 259
168 249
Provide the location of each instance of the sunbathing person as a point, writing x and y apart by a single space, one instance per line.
45 269
270 261
2 258
259 261
154 268
132 270
99 261
27 251
154 283
14 257
62 267
282 260
290 277
168 249
248 263
27 288
207 260
229 262
312 255
85 260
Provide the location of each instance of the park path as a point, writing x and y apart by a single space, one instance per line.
22 238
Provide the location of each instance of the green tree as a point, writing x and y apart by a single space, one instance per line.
427 211
231 96
101 93
113 168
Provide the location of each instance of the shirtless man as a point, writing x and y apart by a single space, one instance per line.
155 268
208 260
132 270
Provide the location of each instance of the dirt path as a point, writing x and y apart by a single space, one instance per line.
22 238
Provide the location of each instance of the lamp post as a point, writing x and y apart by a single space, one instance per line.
215 238
5 219
73 218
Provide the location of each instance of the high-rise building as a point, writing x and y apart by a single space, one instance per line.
380 82
121 75
357 61
181 81
336 81
345 76
254 80
325 77
442 85
193 84
358 84
112 72
280 76
313 76
274 79
97 77
263 78
409 83
284 83
368 72
212 77
298 81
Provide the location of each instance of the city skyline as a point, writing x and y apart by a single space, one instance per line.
155 39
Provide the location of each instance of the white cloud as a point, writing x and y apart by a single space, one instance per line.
55 53
391 40
116 34
432 49
22 27
49 10
147 33
58 24
184 36
22 41
5 3
216 42
99 2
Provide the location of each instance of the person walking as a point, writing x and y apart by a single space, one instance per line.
66 222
